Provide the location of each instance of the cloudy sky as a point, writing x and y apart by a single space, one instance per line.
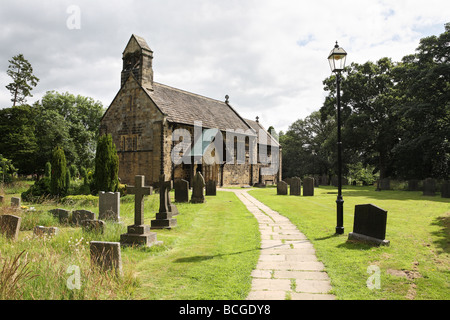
269 56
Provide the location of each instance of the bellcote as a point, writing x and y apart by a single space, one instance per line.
137 60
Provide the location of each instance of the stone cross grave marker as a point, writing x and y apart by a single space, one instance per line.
429 187
282 188
211 188
181 190
164 218
308 187
296 186
107 256
10 226
139 233
369 224
197 189
109 206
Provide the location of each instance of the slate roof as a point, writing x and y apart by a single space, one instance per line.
270 140
186 108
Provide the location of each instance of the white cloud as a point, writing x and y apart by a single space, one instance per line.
268 56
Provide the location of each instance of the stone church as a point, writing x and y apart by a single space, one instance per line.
146 117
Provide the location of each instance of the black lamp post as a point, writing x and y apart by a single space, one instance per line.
337 59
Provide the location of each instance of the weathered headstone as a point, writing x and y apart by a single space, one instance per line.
10 226
445 189
429 187
308 187
106 255
164 218
211 188
109 205
92 225
62 215
47 231
197 188
369 224
296 186
139 233
181 190
413 185
282 188
15 202
80 215
324 180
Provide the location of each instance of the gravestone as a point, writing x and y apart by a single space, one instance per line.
10 226
296 186
109 206
47 231
324 180
282 188
197 189
139 233
2 198
106 255
164 218
445 189
308 187
211 188
413 185
181 190
369 224
62 215
384 184
78 216
92 225
429 187
15 202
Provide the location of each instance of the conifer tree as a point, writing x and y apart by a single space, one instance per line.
59 169
106 165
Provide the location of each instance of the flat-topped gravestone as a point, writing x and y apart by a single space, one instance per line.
109 206
139 233
97 226
308 187
78 216
429 187
62 215
106 255
15 202
369 224
445 189
211 188
45 231
282 188
10 226
296 186
197 189
164 218
181 190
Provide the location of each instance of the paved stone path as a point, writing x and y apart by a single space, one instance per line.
288 267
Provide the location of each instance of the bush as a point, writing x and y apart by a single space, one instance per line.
82 200
38 192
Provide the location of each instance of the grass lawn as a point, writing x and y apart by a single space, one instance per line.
210 255
416 265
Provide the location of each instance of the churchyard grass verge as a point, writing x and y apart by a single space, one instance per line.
210 255
414 266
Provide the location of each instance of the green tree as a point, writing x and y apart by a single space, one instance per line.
7 170
106 165
21 72
59 170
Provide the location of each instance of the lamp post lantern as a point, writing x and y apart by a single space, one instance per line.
337 60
